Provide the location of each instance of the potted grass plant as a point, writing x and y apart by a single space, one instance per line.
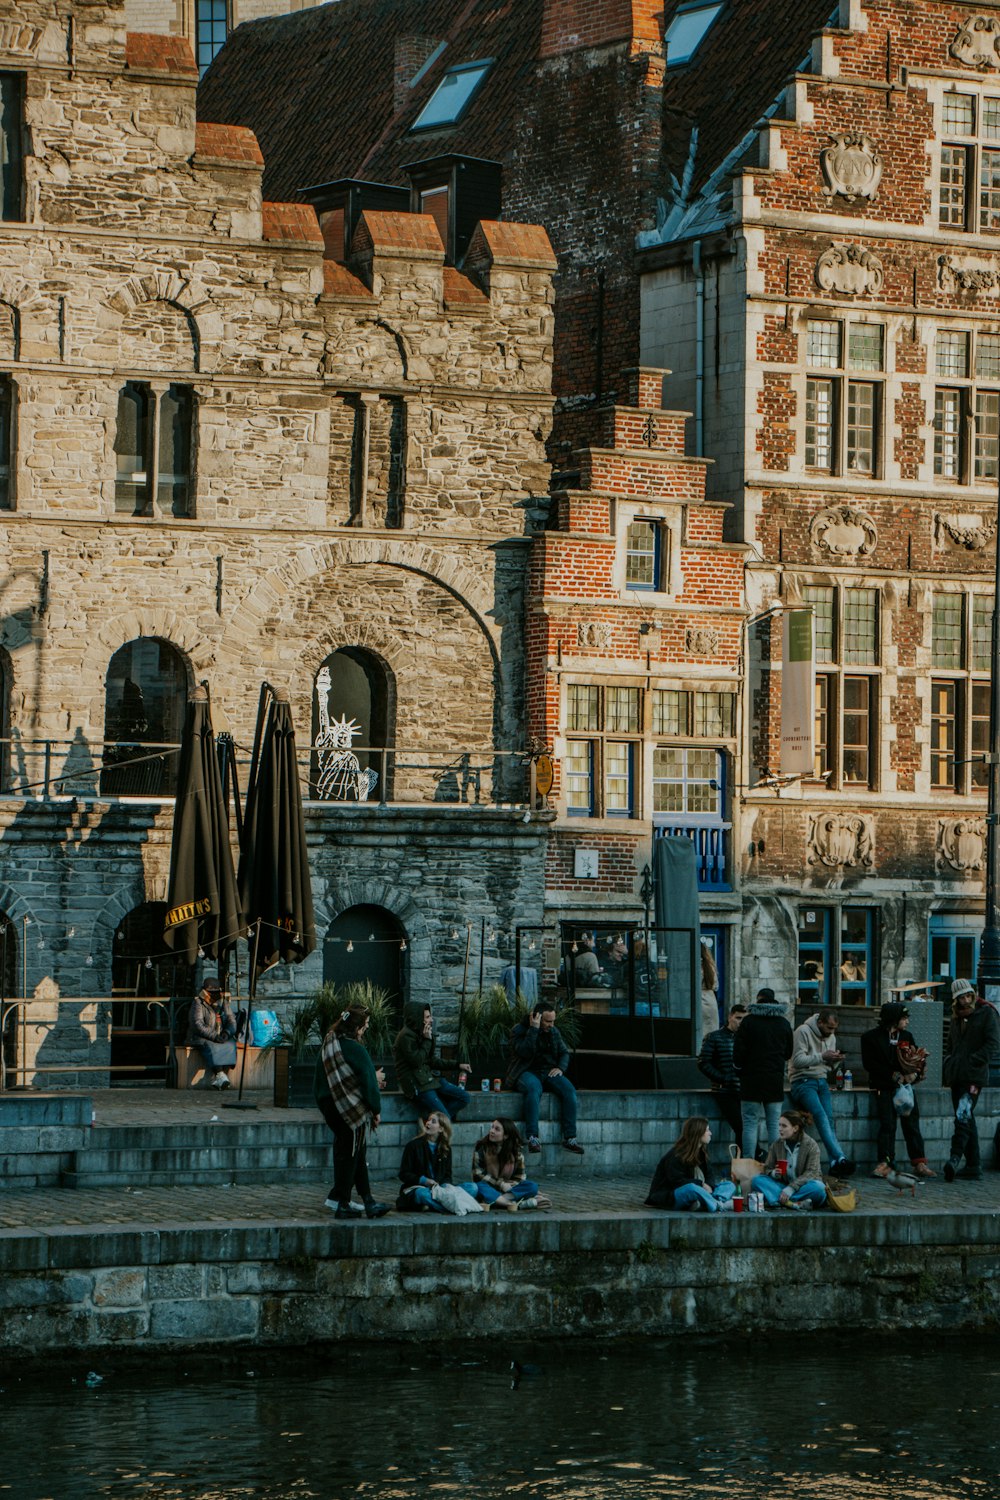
302 1034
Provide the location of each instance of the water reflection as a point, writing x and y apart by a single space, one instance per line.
607 1423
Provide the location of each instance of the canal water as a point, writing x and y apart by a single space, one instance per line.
813 1420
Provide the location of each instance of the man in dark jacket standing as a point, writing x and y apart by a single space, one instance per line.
418 1067
973 1043
538 1060
886 1057
761 1049
716 1062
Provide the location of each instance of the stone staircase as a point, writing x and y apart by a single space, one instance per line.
48 1141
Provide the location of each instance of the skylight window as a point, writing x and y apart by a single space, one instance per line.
453 95
687 31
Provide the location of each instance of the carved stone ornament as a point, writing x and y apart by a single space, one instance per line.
841 840
595 633
841 532
701 640
961 844
968 531
15 36
968 275
976 43
852 166
849 269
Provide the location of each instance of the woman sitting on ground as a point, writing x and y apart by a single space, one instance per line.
499 1177
682 1178
791 1177
427 1163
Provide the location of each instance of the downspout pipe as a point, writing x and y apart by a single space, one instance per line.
699 349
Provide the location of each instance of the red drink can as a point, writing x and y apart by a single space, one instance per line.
496 1085
738 1204
463 1079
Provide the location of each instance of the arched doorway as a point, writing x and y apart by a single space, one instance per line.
143 978
144 704
366 943
352 685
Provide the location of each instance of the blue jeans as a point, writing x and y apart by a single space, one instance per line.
813 1192
424 1198
694 1195
751 1110
813 1095
445 1098
488 1194
531 1087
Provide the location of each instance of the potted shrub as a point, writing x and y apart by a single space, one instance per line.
487 1021
302 1035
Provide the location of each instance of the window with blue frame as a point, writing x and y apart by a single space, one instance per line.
644 556
453 95
600 769
688 29
212 28
953 947
838 955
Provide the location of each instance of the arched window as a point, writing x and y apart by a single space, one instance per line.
354 686
145 699
365 943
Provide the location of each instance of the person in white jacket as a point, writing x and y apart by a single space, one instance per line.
814 1053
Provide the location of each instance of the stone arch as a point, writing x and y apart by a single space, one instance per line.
309 562
374 353
10 331
133 302
339 894
196 653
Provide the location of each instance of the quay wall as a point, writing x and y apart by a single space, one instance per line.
146 1290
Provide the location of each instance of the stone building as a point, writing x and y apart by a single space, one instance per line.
227 457
827 296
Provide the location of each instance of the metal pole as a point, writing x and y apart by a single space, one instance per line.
3 1011
239 1102
465 980
989 952
482 951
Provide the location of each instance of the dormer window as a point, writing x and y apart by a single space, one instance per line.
457 192
453 95
687 31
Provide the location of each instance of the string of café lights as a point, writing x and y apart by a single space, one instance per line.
167 953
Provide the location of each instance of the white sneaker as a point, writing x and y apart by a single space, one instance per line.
523 1203
220 1081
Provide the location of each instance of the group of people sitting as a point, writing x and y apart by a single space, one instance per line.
789 1177
347 1090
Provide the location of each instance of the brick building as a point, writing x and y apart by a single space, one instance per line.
225 456
827 296
204 23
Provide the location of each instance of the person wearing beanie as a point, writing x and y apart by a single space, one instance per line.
890 1058
761 1049
973 1043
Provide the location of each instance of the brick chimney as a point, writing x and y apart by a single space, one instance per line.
411 53
568 25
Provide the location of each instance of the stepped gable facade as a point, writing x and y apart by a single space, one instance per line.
227 457
827 295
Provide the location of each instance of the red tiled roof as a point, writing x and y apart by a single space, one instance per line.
227 143
341 283
291 221
317 86
159 54
518 242
381 230
459 291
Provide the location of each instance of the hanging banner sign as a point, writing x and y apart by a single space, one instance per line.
544 775
798 694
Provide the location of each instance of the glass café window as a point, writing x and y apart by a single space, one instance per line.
608 970
837 955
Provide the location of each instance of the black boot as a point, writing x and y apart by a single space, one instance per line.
951 1166
376 1210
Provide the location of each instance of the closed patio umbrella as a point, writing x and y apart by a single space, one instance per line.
274 884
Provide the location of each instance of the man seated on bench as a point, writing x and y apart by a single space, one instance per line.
212 1029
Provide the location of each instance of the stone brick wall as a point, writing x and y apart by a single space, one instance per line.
147 255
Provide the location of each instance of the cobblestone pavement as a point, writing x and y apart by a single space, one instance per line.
45 1208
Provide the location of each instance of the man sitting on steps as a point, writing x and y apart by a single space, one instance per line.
538 1060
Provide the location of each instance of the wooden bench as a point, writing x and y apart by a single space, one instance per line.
193 1074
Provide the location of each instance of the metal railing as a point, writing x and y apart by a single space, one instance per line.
378 775
21 1021
712 842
